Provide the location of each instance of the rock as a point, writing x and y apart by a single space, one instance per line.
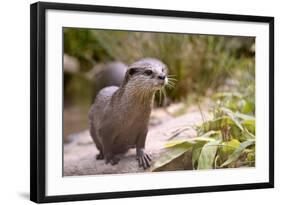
158 116
80 154
175 108
109 74
70 64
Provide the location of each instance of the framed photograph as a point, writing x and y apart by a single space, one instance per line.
129 102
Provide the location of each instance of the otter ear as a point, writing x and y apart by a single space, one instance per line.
132 71
129 73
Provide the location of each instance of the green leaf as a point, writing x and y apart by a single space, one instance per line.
228 147
231 104
250 124
207 156
217 123
248 135
216 161
248 107
233 117
243 116
236 133
235 155
209 134
174 143
172 153
196 150
204 139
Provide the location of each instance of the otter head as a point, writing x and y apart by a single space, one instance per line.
147 74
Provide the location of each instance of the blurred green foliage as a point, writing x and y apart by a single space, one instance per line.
200 63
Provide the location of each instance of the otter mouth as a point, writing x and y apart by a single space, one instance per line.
160 84
163 82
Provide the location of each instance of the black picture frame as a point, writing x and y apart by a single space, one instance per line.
38 100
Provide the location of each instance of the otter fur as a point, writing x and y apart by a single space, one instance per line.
119 116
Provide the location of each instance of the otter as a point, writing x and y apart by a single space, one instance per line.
119 116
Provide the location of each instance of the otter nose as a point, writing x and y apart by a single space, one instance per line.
162 77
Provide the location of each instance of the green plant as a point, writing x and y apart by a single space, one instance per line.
226 140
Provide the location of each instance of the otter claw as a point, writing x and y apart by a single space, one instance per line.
143 159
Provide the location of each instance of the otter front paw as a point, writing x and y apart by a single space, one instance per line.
143 159
111 159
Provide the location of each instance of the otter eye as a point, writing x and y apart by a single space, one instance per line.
148 72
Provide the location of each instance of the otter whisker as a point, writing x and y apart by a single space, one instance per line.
172 79
160 97
169 86
171 83
165 95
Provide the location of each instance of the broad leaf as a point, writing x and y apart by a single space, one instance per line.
243 116
171 154
204 139
175 142
209 134
196 150
207 155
